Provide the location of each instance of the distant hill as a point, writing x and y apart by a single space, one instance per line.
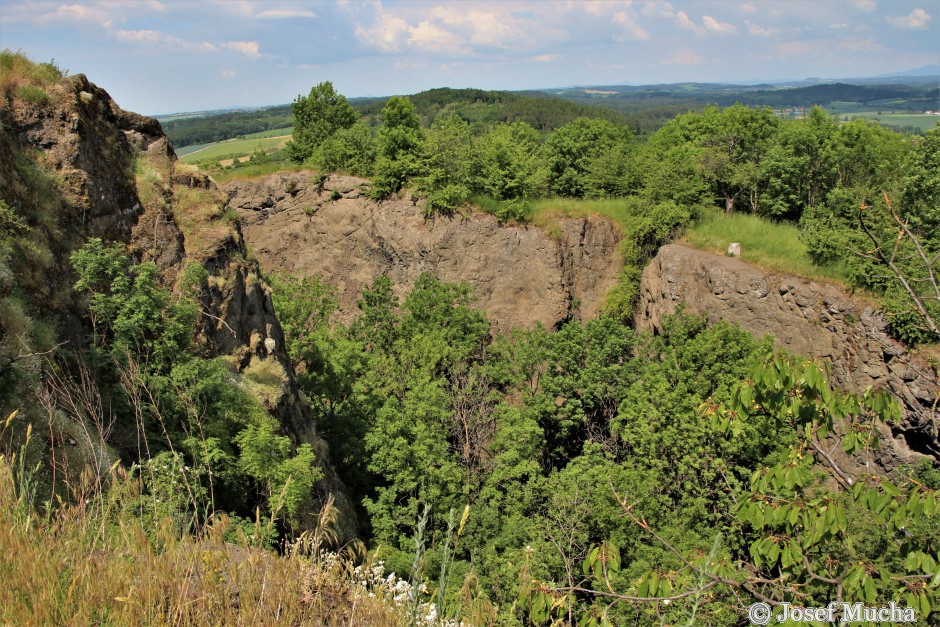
643 107
477 106
542 111
693 96
205 129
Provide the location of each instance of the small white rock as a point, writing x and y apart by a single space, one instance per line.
734 249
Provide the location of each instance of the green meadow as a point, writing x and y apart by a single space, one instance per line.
235 148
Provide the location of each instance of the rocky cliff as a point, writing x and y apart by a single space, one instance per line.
78 167
521 275
804 317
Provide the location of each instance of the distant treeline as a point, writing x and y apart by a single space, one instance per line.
643 109
477 106
538 110
215 128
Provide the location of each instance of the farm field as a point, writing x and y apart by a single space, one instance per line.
237 147
922 121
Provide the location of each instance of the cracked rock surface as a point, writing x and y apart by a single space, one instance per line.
521 275
804 317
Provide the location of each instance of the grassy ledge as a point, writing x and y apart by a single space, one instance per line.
770 245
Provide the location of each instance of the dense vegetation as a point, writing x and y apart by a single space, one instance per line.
587 475
545 439
814 171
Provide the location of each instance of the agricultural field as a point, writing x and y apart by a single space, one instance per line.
235 148
921 121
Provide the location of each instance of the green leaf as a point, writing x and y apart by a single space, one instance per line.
871 593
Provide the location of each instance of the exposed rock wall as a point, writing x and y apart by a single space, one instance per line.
92 151
521 275
804 317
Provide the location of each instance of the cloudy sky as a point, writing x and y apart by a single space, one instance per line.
162 56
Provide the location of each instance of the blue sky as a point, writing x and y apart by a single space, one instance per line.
162 56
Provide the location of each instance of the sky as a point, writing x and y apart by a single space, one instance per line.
165 56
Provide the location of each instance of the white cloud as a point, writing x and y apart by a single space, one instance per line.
632 30
839 26
709 25
247 48
163 41
687 24
714 26
596 8
748 8
98 12
449 29
757 30
684 57
429 37
653 8
865 5
915 20
545 58
388 33
281 14
227 74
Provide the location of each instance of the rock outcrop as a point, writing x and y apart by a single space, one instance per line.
804 317
521 275
95 170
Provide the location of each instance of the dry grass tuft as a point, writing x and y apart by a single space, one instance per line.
25 78
95 563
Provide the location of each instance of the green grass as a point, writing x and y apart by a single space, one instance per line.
274 132
617 209
921 121
234 148
185 150
774 246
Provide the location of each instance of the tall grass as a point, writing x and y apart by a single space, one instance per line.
774 246
545 210
94 562
18 72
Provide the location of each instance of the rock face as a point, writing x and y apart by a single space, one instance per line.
521 275
804 317
96 170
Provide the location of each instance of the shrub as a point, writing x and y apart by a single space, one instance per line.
32 95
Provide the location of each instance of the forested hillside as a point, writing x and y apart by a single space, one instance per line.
213 128
643 108
195 439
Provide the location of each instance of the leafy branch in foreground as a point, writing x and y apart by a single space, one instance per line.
911 263
815 529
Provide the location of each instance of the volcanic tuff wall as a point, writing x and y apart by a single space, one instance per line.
521 275
804 317
97 155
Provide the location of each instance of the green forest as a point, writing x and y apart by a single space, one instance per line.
589 474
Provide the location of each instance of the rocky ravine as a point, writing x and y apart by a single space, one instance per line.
521 274
804 317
